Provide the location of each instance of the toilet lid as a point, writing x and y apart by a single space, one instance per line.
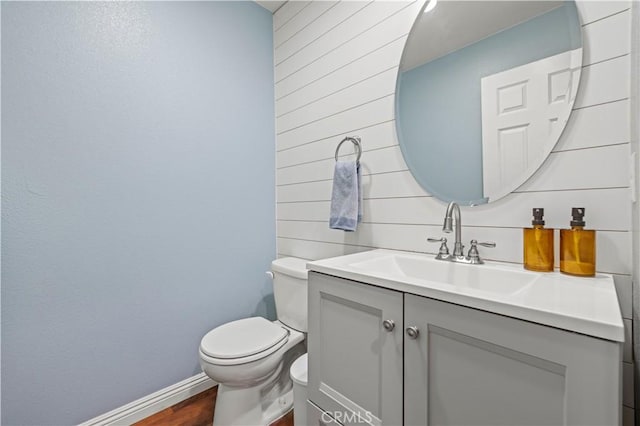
242 338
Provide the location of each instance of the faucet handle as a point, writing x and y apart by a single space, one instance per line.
443 253
490 244
474 256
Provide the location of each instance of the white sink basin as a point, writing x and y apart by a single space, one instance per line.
583 305
500 281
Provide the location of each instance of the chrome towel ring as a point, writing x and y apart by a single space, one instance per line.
356 141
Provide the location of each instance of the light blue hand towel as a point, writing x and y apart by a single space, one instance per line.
346 196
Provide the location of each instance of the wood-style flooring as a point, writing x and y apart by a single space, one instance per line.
196 411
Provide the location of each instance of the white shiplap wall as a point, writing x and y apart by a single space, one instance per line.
635 148
336 69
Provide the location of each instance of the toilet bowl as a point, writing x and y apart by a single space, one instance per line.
250 358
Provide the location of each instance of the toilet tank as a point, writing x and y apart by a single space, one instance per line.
290 291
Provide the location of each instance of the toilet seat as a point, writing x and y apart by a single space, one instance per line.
243 341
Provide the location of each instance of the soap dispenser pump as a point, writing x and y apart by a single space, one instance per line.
538 244
578 247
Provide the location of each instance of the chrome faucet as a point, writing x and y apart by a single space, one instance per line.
453 209
473 257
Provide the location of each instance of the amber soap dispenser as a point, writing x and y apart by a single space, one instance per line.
538 244
578 247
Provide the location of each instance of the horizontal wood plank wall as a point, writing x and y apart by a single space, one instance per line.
336 69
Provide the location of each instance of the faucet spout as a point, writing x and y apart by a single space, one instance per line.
453 213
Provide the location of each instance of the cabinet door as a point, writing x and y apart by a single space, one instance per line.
470 367
317 417
355 364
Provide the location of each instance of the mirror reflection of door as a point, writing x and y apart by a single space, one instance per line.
524 110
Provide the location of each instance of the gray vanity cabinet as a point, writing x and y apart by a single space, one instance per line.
356 364
470 367
446 364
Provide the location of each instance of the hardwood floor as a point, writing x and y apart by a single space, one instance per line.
196 411
287 420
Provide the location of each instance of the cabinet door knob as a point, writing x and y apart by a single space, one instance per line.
413 332
388 325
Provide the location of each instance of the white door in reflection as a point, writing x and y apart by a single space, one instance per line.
523 109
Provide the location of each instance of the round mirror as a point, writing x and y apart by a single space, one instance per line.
485 89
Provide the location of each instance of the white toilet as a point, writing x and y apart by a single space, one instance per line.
250 358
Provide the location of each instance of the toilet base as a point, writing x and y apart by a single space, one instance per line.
258 405
243 407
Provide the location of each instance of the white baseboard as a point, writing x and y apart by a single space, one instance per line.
151 404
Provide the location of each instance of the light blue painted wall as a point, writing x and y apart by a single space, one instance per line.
137 195
438 103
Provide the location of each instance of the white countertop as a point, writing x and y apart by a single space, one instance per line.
586 305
